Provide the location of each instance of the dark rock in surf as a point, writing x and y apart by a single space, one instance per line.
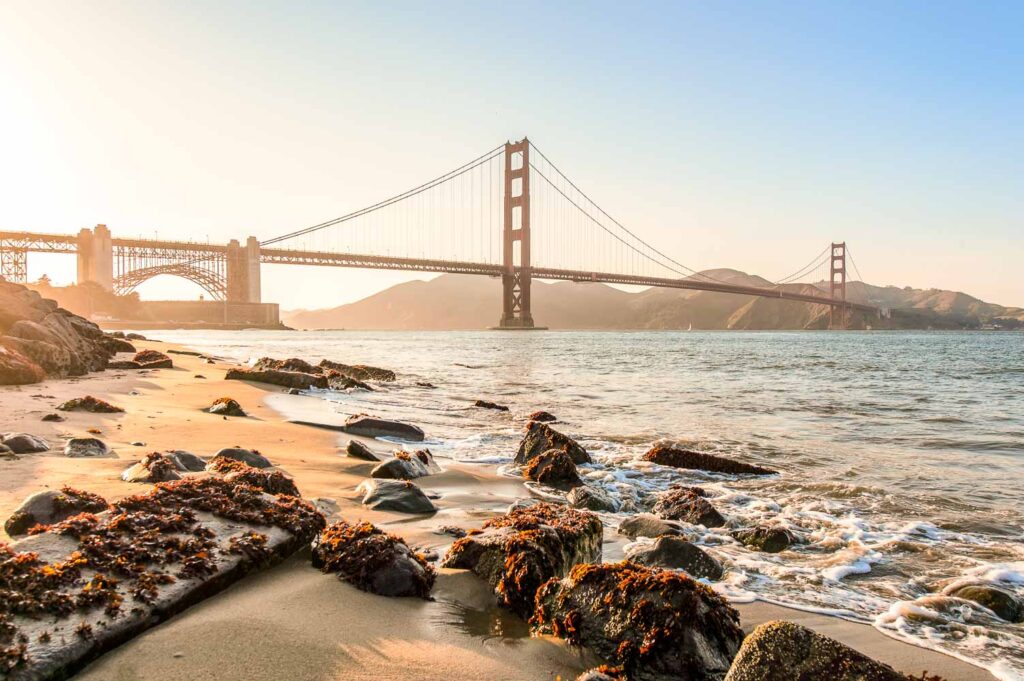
648 525
553 468
682 503
395 495
657 625
373 560
543 417
361 372
591 499
541 437
782 651
287 379
292 364
339 381
767 538
676 553
519 551
1003 603
484 404
685 458
368 426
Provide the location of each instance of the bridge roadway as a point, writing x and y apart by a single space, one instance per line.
187 250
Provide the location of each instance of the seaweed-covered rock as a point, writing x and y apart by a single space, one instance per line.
52 506
541 437
657 625
339 381
271 482
226 406
684 503
52 418
676 553
250 457
403 466
154 467
517 552
395 495
781 651
80 447
649 525
361 372
373 560
484 404
767 538
288 379
291 364
591 499
1003 603
23 443
357 450
543 417
369 426
153 359
685 458
90 404
553 468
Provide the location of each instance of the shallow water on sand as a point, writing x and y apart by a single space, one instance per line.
901 454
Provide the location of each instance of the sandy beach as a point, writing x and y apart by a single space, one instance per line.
291 621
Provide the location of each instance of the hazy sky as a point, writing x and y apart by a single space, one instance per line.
731 134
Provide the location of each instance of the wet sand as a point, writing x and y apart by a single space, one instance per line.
292 621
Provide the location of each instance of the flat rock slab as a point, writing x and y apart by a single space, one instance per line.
368 426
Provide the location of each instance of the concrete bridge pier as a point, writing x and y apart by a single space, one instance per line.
96 257
243 271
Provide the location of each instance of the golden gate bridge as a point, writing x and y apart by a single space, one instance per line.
509 213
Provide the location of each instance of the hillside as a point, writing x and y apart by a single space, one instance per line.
455 301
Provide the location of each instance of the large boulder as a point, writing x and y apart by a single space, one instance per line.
17 369
361 372
395 495
553 468
154 467
291 364
369 426
685 458
271 482
657 625
187 461
225 406
249 457
1000 601
288 379
81 447
153 359
676 553
767 538
687 504
406 466
649 525
541 437
52 506
115 345
591 499
373 560
90 404
517 552
23 443
782 651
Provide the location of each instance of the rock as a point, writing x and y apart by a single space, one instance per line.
92 582
603 673
676 553
55 418
271 482
78 447
138 443
90 404
249 457
553 468
187 461
425 384
451 531
357 450
360 371
684 458
427 459
288 379
6 452
135 336
782 651
683 503
648 525
373 560
403 466
338 381
23 443
657 625
123 364
768 538
1003 603
52 506
541 437
154 467
17 369
591 499
543 417
368 426
395 495
292 364
484 404
517 552
151 359
115 344
225 406
294 391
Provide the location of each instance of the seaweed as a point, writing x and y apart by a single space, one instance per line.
359 552
89 403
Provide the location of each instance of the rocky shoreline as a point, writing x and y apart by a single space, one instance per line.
651 616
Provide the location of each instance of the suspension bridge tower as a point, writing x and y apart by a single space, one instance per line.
838 317
516 238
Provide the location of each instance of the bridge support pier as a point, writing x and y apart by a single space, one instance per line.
243 271
515 280
96 257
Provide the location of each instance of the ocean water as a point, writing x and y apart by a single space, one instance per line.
901 455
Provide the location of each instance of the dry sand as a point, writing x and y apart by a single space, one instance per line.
292 622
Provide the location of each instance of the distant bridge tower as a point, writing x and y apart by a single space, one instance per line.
96 257
516 238
838 317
